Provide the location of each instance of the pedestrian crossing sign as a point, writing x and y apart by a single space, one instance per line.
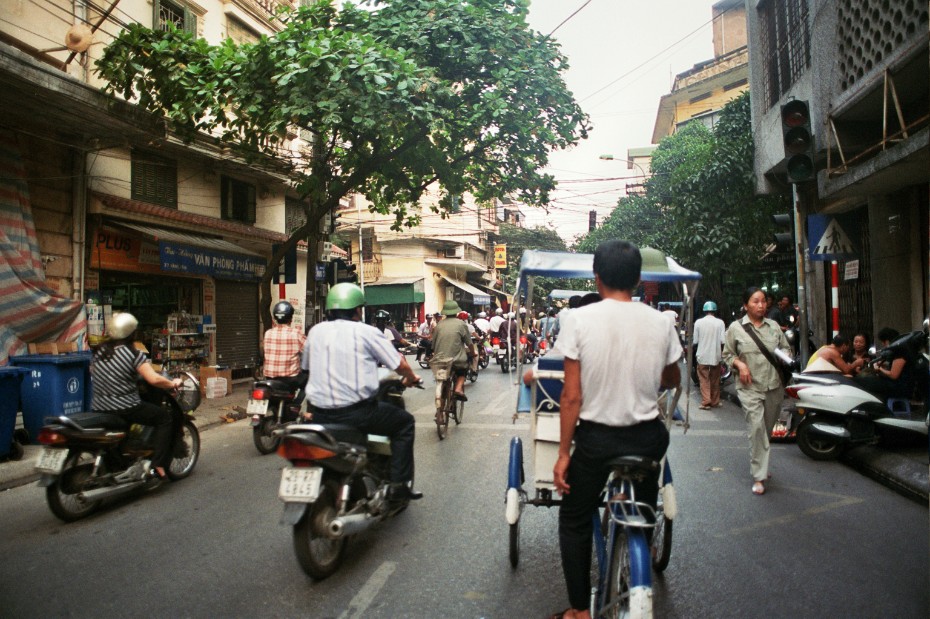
831 237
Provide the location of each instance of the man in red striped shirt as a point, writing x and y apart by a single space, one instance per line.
284 345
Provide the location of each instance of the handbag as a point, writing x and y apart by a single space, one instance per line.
784 373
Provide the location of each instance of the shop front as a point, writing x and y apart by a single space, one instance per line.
403 297
469 298
196 298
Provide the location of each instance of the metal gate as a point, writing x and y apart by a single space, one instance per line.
855 295
237 324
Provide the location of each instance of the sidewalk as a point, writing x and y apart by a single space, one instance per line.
210 413
903 469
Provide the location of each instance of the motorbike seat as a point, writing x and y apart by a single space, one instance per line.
346 434
279 389
92 420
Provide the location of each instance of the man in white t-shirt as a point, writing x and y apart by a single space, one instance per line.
612 377
496 321
709 334
482 323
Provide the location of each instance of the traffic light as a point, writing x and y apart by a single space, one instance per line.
347 273
798 140
784 241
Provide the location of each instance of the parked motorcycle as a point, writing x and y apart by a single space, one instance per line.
837 413
272 403
336 485
90 457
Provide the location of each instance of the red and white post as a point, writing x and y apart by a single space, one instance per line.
835 295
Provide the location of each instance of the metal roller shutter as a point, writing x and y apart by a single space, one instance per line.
237 324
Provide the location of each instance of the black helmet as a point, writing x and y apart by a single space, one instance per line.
283 312
383 315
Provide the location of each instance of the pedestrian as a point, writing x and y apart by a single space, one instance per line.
709 334
749 349
612 376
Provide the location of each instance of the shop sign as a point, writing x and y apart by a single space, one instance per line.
179 258
500 256
118 251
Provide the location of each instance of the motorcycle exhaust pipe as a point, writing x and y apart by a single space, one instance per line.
104 493
350 525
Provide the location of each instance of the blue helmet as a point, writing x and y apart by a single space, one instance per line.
710 306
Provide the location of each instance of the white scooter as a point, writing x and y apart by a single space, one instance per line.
836 413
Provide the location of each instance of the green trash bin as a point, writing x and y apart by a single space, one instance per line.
54 385
10 379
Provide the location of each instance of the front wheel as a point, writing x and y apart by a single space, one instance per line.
186 451
64 495
318 554
815 447
265 443
472 375
661 541
515 544
442 413
483 362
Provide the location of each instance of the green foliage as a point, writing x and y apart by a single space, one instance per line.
700 204
411 93
519 240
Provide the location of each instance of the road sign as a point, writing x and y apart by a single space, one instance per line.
831 237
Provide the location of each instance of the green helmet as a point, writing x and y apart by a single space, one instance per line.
344 296
710 306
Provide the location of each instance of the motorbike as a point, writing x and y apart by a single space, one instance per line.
89 457
424 352
505 354
336 485
527 350
272 403
836 413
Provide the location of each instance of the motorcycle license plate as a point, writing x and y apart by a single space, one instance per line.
257 407
300 485
51 460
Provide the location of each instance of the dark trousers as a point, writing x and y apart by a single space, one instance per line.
595 445
148 414
384 419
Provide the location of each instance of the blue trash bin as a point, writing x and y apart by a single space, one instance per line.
54 385
10 380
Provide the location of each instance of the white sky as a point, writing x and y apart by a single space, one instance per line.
606 42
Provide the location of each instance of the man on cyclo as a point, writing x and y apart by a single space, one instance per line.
612 378
452 341
283 345
342 356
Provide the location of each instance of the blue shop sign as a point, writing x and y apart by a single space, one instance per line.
181 258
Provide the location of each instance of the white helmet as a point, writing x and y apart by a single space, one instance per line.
522 310
122 325
482 314
541 314
499 311
511 315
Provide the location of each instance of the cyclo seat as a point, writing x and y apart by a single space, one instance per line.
93 420
633 466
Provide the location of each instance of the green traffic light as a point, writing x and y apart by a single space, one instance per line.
800 168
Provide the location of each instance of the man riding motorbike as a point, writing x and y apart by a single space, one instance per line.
384 324
342 357
115 369
283 346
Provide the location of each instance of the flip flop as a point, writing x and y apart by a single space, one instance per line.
758 488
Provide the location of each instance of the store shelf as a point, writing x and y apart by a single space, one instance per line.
179 351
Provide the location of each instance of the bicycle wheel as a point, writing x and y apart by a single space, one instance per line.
442 413
661 539
458 411
629 587
515 544
617 599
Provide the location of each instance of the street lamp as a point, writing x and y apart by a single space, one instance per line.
643 173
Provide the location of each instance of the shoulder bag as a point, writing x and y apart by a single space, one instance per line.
784 373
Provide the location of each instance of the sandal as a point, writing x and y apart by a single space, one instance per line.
758 488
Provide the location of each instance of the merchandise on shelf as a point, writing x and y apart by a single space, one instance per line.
179 351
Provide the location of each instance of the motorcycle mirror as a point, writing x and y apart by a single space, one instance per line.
873 351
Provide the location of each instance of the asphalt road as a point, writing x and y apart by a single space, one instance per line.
824 541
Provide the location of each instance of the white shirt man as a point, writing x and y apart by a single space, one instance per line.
483 325
495 323
709 335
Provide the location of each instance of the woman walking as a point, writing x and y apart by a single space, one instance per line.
749 347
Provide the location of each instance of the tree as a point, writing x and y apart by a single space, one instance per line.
405 95
518 240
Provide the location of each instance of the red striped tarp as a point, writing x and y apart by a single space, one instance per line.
29 310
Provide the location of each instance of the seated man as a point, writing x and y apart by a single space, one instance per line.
834 353
451 340
283 345
342 356
895 378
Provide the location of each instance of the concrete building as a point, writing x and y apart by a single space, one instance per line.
864 69
124 212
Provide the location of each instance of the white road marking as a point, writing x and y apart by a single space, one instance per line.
369 591
478 426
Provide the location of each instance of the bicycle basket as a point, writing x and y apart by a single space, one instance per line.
441 367
188 395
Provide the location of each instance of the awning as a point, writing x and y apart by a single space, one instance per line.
395 291
499 293
160 234
478 297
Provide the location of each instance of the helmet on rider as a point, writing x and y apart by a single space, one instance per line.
344 296
710 306
511 315
463 315
541 314
482 314
283 312
498 312
522 310
122 325
382 315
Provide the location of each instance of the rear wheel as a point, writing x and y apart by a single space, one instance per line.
458 411
815 447
265 443
483 361
618 578
186 451
442 413
318 554
64 495
471 375
661 540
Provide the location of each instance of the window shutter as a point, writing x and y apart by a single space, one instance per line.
250 215
190 22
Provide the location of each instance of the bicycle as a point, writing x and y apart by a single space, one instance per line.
447 406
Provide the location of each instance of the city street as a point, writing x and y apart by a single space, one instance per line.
824 541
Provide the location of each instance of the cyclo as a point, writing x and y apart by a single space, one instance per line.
623 580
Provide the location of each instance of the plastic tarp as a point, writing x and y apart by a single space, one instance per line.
568 265
30 310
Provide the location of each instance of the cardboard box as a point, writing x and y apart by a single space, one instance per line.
52 348
208 371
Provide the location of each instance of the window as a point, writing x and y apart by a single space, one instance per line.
175 12
786 45
154 180
239 32
238 200
295 214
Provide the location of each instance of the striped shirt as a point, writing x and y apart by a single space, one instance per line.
115 380
342 357
283 346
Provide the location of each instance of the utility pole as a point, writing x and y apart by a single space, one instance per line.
799 267
361 259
